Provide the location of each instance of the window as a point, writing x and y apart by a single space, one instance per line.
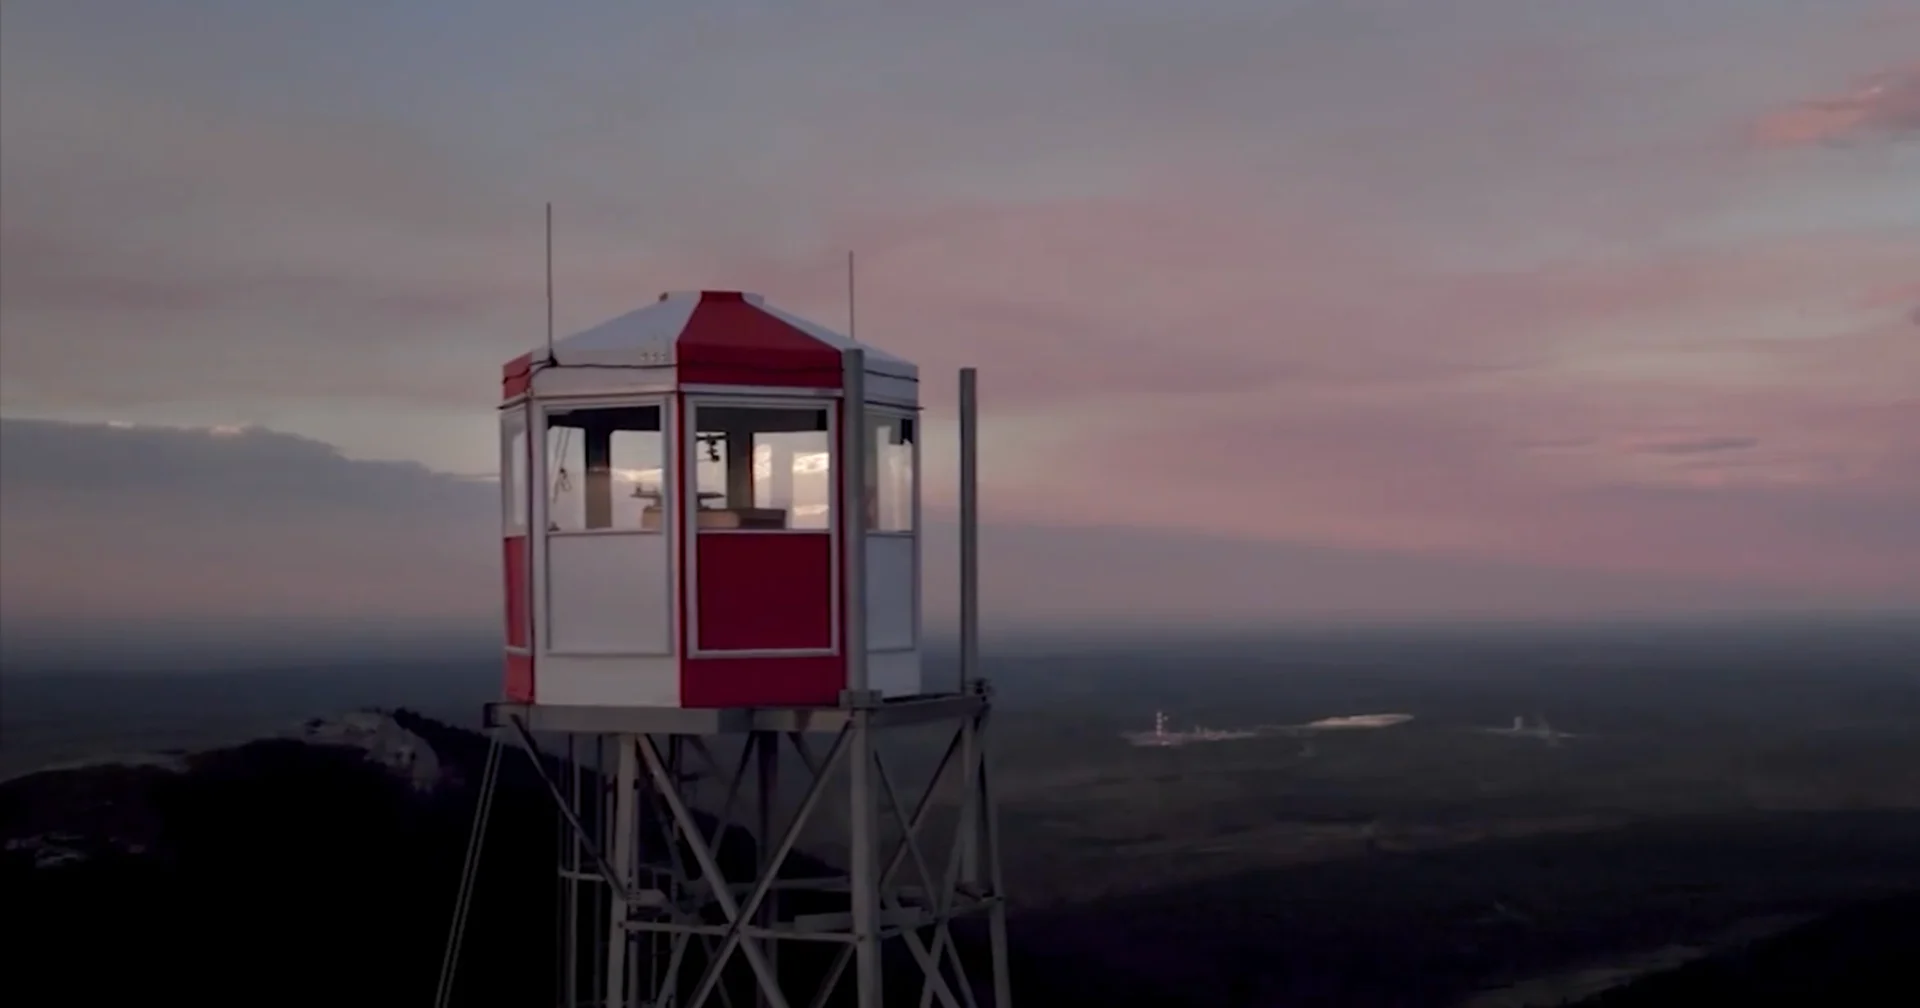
513 471
605 469
890 473
762 468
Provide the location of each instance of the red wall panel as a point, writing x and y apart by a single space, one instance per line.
519 678
763 591
773 681
519 589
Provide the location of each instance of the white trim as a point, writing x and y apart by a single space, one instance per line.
540 605
517 399
786 399
769 391
761 532
609 654
561 381
764 653
684 448
888 391
583 382
615 400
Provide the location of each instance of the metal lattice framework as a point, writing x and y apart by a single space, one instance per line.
648 844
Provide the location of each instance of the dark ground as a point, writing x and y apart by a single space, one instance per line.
1748 797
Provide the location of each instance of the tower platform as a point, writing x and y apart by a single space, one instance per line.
598 720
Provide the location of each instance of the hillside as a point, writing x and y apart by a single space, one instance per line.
1861 955
320 867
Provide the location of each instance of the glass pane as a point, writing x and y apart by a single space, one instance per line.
513 470
890 476
606 469
763 467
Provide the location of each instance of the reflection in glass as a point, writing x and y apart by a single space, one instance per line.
890 474
513 470
605 469
763 468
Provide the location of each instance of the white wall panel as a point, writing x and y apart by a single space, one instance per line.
892 594
609 594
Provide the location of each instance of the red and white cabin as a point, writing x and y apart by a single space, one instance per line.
673 527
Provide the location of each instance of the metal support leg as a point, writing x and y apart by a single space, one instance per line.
863 864
997 913
767 756
626 776
569 975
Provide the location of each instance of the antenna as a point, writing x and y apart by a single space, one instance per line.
850 313
549 283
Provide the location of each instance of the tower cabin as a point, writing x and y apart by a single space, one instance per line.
673 517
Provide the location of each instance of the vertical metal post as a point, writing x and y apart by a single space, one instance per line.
996 877
863 864
969 528
863 841
570 860
969 833
767 762
604 791
625 779
853 510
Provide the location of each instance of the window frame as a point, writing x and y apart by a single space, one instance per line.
516 502
668 475
878 413
689 447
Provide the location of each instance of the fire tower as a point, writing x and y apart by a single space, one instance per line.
712 556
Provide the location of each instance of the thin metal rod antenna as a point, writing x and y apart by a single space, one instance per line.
850 302
549 282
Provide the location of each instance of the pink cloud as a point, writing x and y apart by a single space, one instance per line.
1480 299
1885 105
1387 406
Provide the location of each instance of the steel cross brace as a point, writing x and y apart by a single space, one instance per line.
685 923
737 915
600 861
929 963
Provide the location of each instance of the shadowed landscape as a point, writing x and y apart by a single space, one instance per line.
1712 806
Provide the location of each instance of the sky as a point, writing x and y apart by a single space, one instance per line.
1536 307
